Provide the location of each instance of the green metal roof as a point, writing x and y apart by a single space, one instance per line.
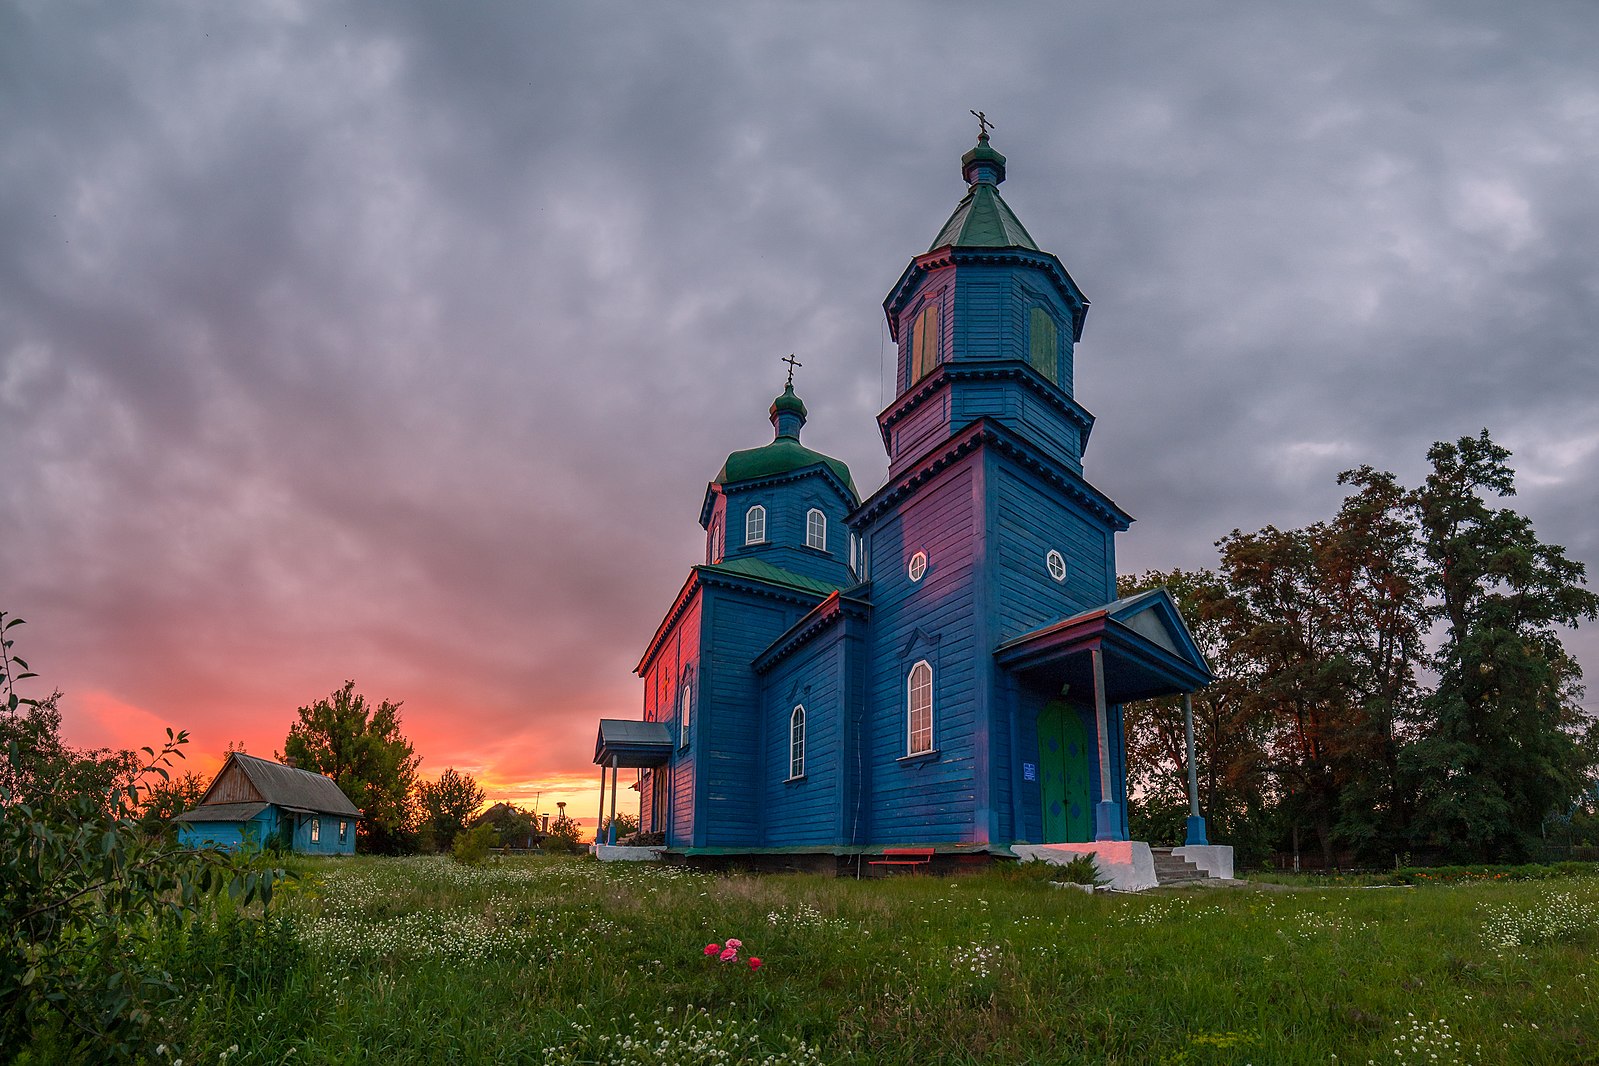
776 575
784 455
984 220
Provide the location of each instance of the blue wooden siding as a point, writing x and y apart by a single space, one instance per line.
1029 519
676 661
739 626
804 811
259 831
926 798
787 502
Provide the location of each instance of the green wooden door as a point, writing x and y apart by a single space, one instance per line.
1063 774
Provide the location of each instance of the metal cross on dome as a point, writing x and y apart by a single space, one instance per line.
983 125
792 363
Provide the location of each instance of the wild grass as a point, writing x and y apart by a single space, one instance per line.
546 960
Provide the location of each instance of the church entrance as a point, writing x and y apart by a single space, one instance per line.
1063 753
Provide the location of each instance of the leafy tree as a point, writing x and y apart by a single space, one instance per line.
362 749
447 806
564 837
165 800
1503 741
626 826
514 827
472 846
84 890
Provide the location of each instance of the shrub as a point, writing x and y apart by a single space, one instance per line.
472 846
564 838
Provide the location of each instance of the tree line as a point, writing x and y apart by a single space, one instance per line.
1389 681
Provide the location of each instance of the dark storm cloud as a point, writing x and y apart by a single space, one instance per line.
397 341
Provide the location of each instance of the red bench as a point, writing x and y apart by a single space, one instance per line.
904 857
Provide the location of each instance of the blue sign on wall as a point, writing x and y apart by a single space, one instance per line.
1029 771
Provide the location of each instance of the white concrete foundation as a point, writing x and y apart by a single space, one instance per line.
1128 865
1215 859
617 853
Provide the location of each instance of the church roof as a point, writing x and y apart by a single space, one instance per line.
776 575
782 456
983 219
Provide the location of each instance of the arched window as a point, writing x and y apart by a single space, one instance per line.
713 544
1042 349
919 709
924 343
816 529
796 743
683 714
755 525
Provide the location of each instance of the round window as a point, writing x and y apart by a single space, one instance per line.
1056 564
918 566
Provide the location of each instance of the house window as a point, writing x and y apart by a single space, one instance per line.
344 829
688 699
924 343
919 709
713 549
918 566
816 530
1042 349
316 830
796 743
1056 564
755 525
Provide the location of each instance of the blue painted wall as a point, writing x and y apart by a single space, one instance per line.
259 831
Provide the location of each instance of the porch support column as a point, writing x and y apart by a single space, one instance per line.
1196 823
1106 822
600 825
611 836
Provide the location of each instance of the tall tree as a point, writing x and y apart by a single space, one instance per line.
447 805
362 749
1228 743
1503 741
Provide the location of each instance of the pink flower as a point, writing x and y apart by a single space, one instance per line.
755 964
729 954
712 949
734 942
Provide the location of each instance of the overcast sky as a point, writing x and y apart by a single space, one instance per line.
396 341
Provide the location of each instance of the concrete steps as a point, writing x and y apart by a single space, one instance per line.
1174 869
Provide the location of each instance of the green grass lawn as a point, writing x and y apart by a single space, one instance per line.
570 961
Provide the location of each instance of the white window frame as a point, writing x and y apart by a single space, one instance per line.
755 525
1055 563
919 703
816 529
917 569
796 742
683 713
344 829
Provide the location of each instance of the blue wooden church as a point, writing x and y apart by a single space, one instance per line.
942 663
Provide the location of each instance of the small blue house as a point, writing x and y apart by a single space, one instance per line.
253 802
941 664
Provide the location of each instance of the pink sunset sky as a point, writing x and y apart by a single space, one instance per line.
397 342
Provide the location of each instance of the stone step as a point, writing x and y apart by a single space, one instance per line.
1170 869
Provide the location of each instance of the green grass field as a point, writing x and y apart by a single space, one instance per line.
546 960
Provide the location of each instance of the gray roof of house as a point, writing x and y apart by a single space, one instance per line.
222 812
288 786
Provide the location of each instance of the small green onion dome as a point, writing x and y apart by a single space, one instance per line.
785 454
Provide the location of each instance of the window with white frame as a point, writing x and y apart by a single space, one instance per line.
344 830
755 525
713 544
919 709
316 830
1057 565
917 567
816 529
688 700
796 742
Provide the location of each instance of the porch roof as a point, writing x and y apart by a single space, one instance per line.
1147 650
632 743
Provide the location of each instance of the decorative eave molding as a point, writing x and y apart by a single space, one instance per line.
712 490
702 575
985 369
823 616
985 432
951 256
